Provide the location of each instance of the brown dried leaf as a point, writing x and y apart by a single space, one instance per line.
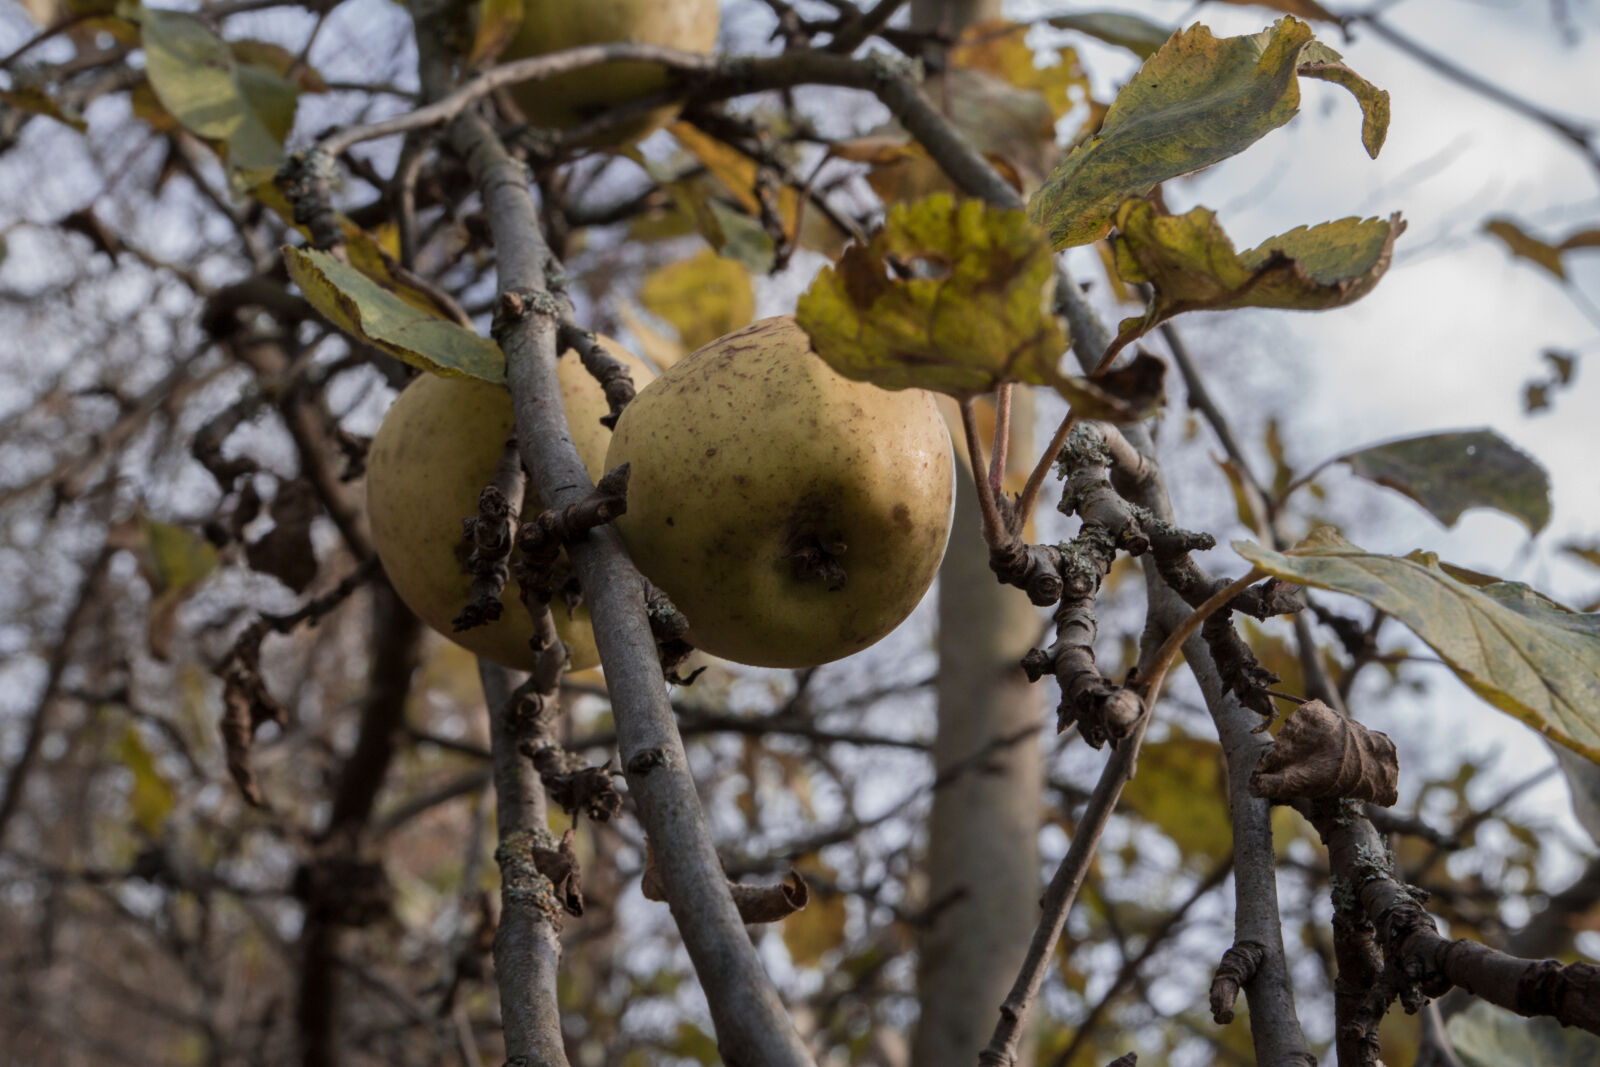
1320 753
560 865
756 903
770 903
285 551
247 706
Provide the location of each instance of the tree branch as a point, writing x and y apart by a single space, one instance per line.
751 1025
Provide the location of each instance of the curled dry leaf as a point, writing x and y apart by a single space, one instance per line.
574 786
756 903
246 707
1322 754
560 865
285 551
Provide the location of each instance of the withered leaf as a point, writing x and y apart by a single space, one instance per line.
1321 753
756 903
285 551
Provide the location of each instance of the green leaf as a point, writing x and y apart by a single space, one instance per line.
954 298
1523 653
152 797
1138 35
1486 1036
38 102
364 251
1447 473
704 297
368 312
1191 264
1195 102
249 109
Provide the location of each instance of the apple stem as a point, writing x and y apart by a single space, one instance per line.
994 527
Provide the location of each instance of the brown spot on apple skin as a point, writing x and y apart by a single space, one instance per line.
902 517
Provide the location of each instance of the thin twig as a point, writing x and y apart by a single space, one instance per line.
1030 491
1150 685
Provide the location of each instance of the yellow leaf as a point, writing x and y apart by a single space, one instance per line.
152 797
1191 264
498 22
811 933
704 297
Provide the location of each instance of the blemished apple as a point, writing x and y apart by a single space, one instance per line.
793 516
567 100
434 453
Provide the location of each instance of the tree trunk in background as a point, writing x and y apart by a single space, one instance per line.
982 860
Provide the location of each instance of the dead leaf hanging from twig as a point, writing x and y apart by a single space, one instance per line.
1320 753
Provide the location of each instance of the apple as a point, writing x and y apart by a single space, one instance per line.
434 453
568 100
793 516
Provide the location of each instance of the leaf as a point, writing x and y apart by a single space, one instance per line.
1523 246
1001 102
1523 653
1583 783
812 933
1191 264
1323 63
285 551
365 251
498 22
152 798
1138 35
361 308
1447 473
249 109
655 346
280 61
38 102
1001 48
1306 9
1195 102
952 298
1181 788
704 297
174 562
1321 753
737 174
1486 1036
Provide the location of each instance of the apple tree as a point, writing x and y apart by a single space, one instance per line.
317 764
